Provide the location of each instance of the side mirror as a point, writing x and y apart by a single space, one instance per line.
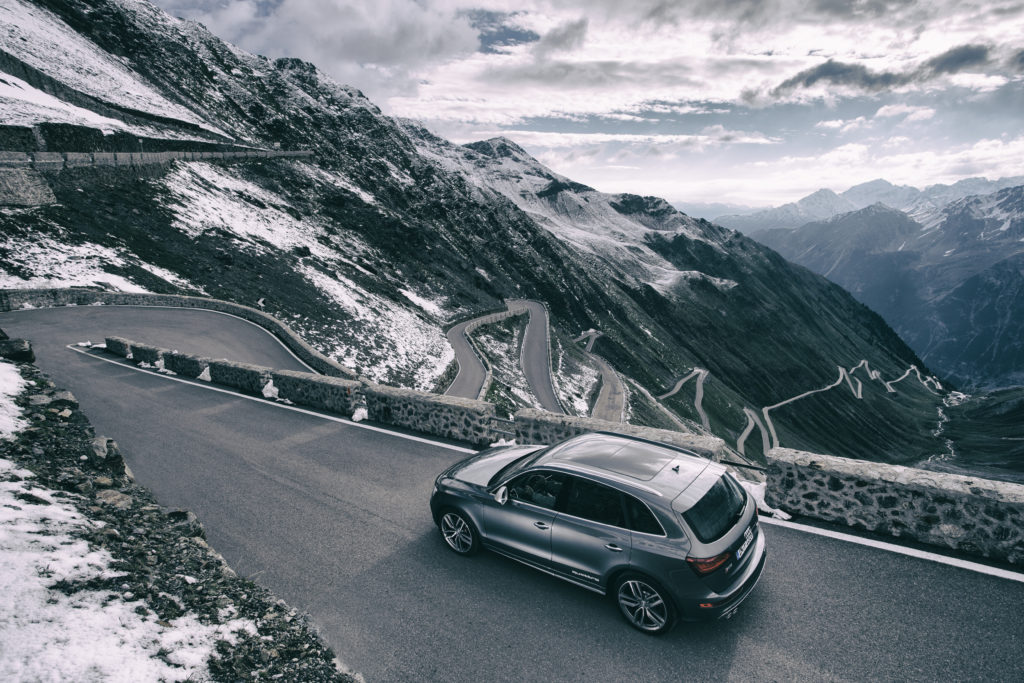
501 495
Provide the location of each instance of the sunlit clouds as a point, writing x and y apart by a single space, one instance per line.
744 101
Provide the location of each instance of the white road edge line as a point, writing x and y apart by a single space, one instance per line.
894 548
283 406
196 308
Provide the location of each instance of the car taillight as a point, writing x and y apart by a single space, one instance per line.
706 565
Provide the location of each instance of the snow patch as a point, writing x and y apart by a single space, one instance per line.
11 384
39 38
92 634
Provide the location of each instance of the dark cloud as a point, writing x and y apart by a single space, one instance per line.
958 59
841 73
567 36
857 76
498 30
1017 61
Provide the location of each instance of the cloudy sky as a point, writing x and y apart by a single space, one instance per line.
740 101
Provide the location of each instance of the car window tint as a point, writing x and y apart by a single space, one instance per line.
715 513
595 502
640 517
537 488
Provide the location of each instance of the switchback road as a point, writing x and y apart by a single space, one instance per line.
333 517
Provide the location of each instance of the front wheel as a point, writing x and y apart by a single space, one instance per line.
459 533
644 604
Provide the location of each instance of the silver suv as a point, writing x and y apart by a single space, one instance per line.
669 534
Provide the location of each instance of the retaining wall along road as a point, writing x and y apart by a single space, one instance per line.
978 516
540 426
970 514
14 299
444 416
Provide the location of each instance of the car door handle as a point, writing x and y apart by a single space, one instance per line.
544 526
614 548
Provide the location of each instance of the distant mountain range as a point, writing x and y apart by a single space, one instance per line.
825 204
371 247
951 282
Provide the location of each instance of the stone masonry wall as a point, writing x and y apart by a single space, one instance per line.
978 516
248 378
326 393
541 427
13 299
444 416
447 416
183 364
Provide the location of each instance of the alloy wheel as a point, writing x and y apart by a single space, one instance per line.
458 534
643 605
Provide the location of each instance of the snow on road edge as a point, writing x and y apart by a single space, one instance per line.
89 634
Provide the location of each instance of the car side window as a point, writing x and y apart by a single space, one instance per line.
596 502
640 517
537 488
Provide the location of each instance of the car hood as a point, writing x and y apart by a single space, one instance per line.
479 469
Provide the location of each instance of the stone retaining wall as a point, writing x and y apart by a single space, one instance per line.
14 299
325 393
541 427
182 363
444 416
447 416
248 378
978 516
58 161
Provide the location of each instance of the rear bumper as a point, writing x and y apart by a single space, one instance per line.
724 606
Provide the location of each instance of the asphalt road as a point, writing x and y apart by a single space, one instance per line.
535 358
334 519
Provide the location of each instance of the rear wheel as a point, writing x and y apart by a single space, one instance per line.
644 604
459 533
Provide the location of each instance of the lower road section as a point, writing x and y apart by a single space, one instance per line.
334 519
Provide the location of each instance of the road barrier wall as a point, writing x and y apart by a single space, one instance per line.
58 161
182 363
14 299
974 515
445 416
248 378
542 427
325 393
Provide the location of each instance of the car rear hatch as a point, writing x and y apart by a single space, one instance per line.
722 521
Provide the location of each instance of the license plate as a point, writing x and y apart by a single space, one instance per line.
748 536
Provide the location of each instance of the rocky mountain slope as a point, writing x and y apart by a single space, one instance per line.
388 232
952 287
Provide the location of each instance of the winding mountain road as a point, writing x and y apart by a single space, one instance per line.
534 360
333 517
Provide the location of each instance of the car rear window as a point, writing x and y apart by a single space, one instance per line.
717 511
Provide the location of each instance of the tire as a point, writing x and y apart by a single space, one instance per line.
458 532
644 604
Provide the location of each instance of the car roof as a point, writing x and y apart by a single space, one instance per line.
656 468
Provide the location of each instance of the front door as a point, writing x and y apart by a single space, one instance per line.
522 526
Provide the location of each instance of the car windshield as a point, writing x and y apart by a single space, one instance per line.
717 511
516 465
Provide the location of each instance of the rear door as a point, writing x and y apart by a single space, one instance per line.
590 537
